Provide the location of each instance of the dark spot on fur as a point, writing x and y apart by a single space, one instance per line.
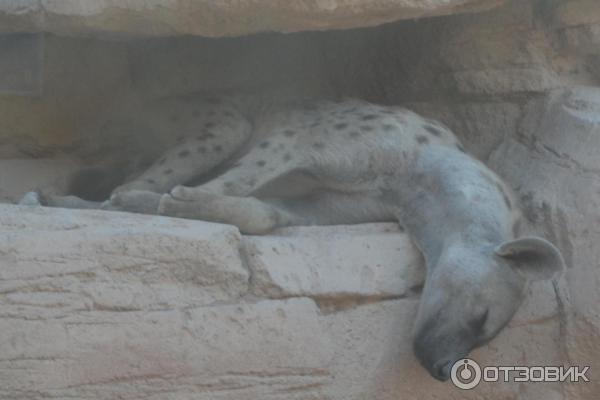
340 126
354 134
264 145
168 171
422 139
201 150
184 153
460 147
289 132
151 181
315 124
433 130
388 127
287 157
236 165
261 163
228 184
350 110
369 117
367 128
206 136
318 145
218 148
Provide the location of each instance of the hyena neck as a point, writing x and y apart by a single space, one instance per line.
451 204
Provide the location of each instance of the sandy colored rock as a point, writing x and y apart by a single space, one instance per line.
105 304
214 19
371 261
561 194
578 12
112 262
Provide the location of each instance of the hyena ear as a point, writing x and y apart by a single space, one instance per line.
534 257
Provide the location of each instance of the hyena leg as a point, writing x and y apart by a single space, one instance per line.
255 216
250 215
267 161
138 201
37 199
194 156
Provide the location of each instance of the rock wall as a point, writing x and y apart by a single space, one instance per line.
101 305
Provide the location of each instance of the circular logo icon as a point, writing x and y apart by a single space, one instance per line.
465 374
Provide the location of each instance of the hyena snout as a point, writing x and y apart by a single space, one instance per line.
438 354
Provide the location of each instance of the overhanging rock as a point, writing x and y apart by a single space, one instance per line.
215 18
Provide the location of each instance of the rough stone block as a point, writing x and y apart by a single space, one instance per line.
366 261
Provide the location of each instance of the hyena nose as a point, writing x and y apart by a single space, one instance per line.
441 370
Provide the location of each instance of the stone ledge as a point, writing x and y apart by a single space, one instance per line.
104 305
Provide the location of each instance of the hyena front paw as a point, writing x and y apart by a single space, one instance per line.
31 199
198 207
172 207
186 193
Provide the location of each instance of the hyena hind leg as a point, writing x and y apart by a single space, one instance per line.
249 214
195 155
39 199
137 201
271 159
256 216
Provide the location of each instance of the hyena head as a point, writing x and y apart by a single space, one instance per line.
470 295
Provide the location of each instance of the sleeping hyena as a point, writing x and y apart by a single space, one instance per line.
350 162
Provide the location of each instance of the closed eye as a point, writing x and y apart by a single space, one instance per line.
478 323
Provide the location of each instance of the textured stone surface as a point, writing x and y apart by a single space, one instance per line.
108 305
82 252
371 261
215 18
558 177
